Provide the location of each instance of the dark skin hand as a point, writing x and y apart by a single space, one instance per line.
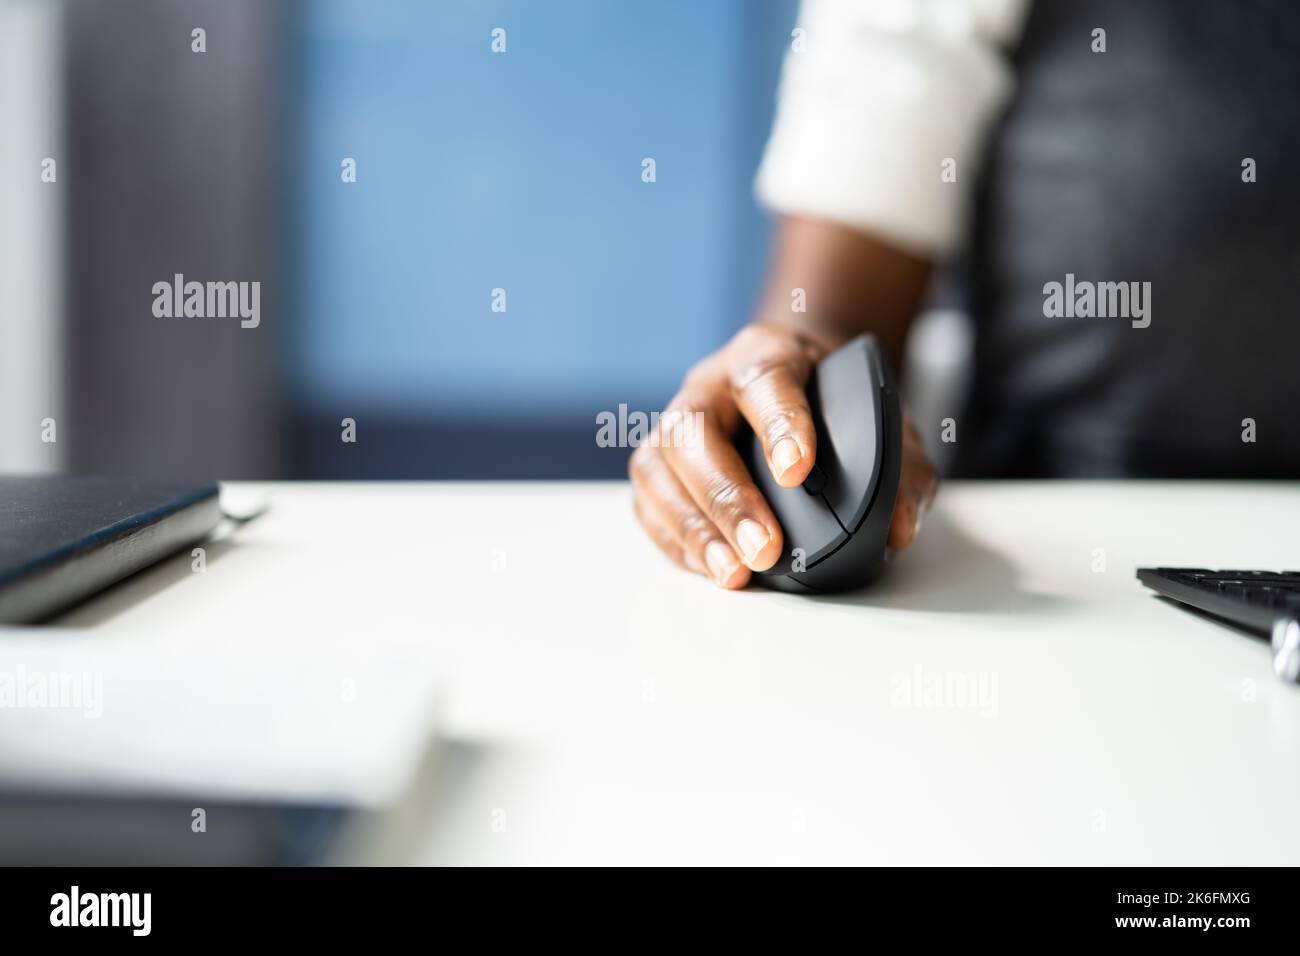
695 499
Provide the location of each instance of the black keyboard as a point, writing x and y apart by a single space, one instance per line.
1263 601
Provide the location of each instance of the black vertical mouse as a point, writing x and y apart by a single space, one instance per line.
836 523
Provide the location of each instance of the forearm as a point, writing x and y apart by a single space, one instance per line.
851 284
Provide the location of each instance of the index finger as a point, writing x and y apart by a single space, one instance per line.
769 388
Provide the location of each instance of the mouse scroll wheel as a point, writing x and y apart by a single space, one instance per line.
815 483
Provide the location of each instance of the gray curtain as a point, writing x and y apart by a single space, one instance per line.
174 164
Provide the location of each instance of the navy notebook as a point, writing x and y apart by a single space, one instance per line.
64 538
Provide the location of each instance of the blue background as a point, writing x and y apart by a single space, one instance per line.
522 171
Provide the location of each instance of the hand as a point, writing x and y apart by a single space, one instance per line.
696 499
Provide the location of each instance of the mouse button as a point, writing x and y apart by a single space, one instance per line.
806 522
810 530
815 483
850 440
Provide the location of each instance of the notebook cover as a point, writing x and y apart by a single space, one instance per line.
128 829
64 538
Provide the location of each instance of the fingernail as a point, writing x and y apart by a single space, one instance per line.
753 538
721 561
921 508
785 455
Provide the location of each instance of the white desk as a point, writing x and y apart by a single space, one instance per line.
608 708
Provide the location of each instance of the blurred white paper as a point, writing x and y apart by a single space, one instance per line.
269 716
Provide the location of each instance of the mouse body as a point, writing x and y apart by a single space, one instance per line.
836 524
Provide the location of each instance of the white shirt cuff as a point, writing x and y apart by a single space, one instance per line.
875 107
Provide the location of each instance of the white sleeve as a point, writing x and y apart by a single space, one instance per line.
876 96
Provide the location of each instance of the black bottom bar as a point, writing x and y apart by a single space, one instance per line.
338 906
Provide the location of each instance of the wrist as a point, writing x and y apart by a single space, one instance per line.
822 335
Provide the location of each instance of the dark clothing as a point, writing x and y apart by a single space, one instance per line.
1127 166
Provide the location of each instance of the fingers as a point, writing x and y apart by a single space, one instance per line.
682 531
710 471
660 533
770 372
917 484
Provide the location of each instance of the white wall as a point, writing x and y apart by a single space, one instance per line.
31 270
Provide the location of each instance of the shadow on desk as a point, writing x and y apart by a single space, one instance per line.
950 572
144 584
